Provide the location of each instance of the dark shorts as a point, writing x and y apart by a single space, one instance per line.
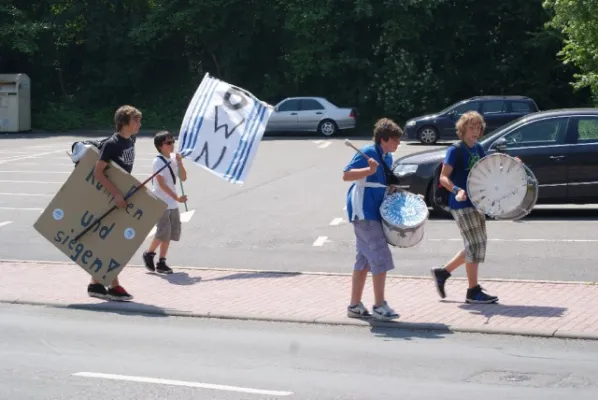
372 247
472 225
169 226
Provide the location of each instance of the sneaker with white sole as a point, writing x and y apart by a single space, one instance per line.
384 313
358 311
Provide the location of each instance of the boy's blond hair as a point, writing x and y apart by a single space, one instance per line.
469 118
385 129
124 115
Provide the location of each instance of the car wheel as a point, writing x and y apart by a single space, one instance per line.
327 127
428 135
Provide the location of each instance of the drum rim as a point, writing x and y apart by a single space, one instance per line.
525 169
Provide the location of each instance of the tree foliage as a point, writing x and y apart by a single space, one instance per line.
578 21
396 58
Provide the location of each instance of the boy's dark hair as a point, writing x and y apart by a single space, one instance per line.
123 116
162 137
385 129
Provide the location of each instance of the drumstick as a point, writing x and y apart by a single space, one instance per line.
348 143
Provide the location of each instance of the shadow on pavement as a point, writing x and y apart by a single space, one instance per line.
123 308
254 275
408 331
513 311
178 278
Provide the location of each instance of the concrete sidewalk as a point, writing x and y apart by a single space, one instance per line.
550 309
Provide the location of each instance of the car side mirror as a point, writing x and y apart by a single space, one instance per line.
501 145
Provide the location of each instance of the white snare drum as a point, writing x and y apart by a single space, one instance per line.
403 217
502 187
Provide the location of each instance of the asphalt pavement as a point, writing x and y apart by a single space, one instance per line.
290 216
50 353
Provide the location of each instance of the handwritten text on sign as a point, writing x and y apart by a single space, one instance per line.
109 244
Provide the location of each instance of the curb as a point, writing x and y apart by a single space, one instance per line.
278 272
130 308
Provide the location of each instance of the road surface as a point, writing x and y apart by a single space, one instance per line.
68 354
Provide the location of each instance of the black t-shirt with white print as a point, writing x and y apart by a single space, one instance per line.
120 150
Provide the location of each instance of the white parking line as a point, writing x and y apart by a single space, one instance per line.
319 242
5 223
4 161
183 383
20 209
36 172
336 221
37 182
324 145
27 194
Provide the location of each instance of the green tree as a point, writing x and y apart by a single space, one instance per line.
578 21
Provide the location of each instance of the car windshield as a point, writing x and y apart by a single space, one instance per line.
498 132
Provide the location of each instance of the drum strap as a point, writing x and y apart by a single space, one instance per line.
391 179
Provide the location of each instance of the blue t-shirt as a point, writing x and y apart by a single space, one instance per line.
364 202
459 175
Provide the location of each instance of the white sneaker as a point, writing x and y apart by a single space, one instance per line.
384 313
358 311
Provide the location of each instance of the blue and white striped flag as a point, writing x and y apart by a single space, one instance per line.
222 129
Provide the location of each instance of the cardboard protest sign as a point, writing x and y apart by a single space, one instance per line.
107 248
222 129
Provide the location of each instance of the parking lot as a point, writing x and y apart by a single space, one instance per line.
290 215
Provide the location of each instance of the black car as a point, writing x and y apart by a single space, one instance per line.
496 110
559 146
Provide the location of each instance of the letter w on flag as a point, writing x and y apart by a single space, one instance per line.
222 129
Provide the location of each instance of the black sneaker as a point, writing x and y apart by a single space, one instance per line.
476 295
162 268
440 276
119 293
97 290
148 260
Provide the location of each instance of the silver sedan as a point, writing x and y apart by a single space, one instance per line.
310 114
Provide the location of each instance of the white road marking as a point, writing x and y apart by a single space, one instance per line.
324 145
336 221
13 181
319 242
26 157
21 209
523 240
186 216
27 194
183 383
317 141
5 223
36 172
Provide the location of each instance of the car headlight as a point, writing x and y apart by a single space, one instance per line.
410 123
405 169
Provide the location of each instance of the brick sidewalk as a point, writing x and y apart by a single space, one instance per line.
527 308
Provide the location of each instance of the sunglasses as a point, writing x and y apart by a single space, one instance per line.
169 142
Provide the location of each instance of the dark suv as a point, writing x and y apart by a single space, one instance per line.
496 110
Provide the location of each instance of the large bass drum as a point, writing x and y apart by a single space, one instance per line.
502 187
404 215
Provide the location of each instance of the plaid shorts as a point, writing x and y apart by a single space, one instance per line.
472 225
